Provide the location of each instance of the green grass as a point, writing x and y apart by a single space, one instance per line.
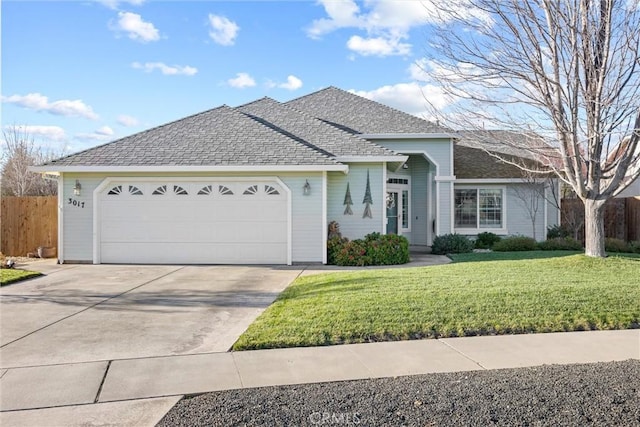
8 276
500 296
523 255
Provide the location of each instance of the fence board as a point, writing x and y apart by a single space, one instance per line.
27 223
621 218
633 219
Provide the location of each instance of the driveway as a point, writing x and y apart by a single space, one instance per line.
87 313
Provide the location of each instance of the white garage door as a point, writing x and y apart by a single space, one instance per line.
204 222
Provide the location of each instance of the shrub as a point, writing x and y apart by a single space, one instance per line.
451 244
353 253
388 249
516 243
557 231
486 240
375 249
334 244
560 244
634 246
616 245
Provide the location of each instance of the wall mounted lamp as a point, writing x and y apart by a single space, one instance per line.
306 189
77 188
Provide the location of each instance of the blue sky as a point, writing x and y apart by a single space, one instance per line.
81 73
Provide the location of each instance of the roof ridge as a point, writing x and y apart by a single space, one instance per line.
335 128
298 140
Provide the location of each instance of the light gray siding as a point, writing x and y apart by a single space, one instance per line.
521 202
77 225
306 216
355 226
444 207
306 212
438 151
420 221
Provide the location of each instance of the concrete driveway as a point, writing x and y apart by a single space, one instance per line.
88 313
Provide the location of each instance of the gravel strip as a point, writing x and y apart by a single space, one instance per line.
599 394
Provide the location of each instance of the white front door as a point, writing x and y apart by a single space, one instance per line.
200 222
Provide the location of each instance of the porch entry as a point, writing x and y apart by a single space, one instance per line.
398 205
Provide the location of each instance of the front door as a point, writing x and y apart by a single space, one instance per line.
392 212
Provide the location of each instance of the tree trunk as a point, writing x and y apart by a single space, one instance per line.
594 228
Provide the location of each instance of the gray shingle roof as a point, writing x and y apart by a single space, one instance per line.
222 136
474 163
356 114
311 131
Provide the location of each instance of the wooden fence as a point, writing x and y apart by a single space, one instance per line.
27 223
621 218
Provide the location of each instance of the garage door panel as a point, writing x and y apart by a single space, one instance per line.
193 253
194 228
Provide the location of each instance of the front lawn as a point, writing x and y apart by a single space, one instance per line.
562 293
8 276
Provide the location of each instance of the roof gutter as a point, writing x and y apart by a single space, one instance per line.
408 136
133 169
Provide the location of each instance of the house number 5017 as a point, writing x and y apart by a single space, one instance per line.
76 203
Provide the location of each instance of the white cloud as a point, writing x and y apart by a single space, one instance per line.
104 130
136 28
113 4
103 133
127 121
378 46
292 83
411 98
223 31
385 22
241 81
63 107
167 70
54 133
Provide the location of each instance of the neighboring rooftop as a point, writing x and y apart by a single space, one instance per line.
359 115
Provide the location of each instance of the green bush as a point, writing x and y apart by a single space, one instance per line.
486 240
334 244
516 243
616 245
375 249
557 231
560 244
451 244
634 246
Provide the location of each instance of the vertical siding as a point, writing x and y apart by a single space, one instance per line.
420 222
354 226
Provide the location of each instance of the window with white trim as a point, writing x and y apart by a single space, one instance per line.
479 208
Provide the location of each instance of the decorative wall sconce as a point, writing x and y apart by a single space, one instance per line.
77 188
306 189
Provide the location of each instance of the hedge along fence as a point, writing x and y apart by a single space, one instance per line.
621 218
27 223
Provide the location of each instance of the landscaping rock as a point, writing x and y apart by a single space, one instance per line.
602 394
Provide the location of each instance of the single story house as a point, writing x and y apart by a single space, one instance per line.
259 184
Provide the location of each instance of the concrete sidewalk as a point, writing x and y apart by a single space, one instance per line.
140 391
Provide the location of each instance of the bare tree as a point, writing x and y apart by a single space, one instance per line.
20 151
567 71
